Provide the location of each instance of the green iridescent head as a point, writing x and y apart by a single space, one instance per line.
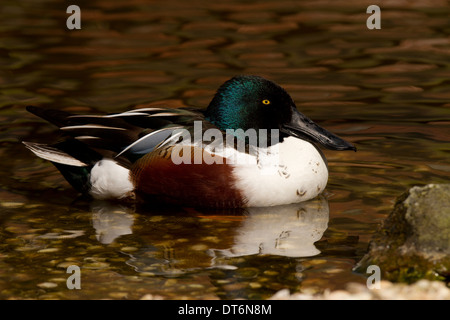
252 102
245 102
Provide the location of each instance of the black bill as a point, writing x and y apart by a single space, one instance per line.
302 127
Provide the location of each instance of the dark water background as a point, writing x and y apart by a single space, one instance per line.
386 90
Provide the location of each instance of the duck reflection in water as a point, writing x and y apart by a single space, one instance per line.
111 220
287 230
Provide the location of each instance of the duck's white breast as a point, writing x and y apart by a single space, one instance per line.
294 171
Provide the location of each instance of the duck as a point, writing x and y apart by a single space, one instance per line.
251 147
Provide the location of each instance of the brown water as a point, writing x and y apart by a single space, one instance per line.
387 91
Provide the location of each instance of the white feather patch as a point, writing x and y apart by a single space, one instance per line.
110 181
52 154
300 174
90 126
148 137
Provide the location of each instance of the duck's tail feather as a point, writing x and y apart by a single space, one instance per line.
53 154
78 177
75 171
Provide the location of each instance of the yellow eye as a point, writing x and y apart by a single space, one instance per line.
266 101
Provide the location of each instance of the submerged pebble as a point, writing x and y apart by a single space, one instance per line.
48 250
11 205
96 265
200 247
255 285
118 295
47 285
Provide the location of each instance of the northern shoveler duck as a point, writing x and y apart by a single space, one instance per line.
141 154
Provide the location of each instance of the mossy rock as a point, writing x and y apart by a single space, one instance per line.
414 241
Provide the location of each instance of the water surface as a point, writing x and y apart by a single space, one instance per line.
387 91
